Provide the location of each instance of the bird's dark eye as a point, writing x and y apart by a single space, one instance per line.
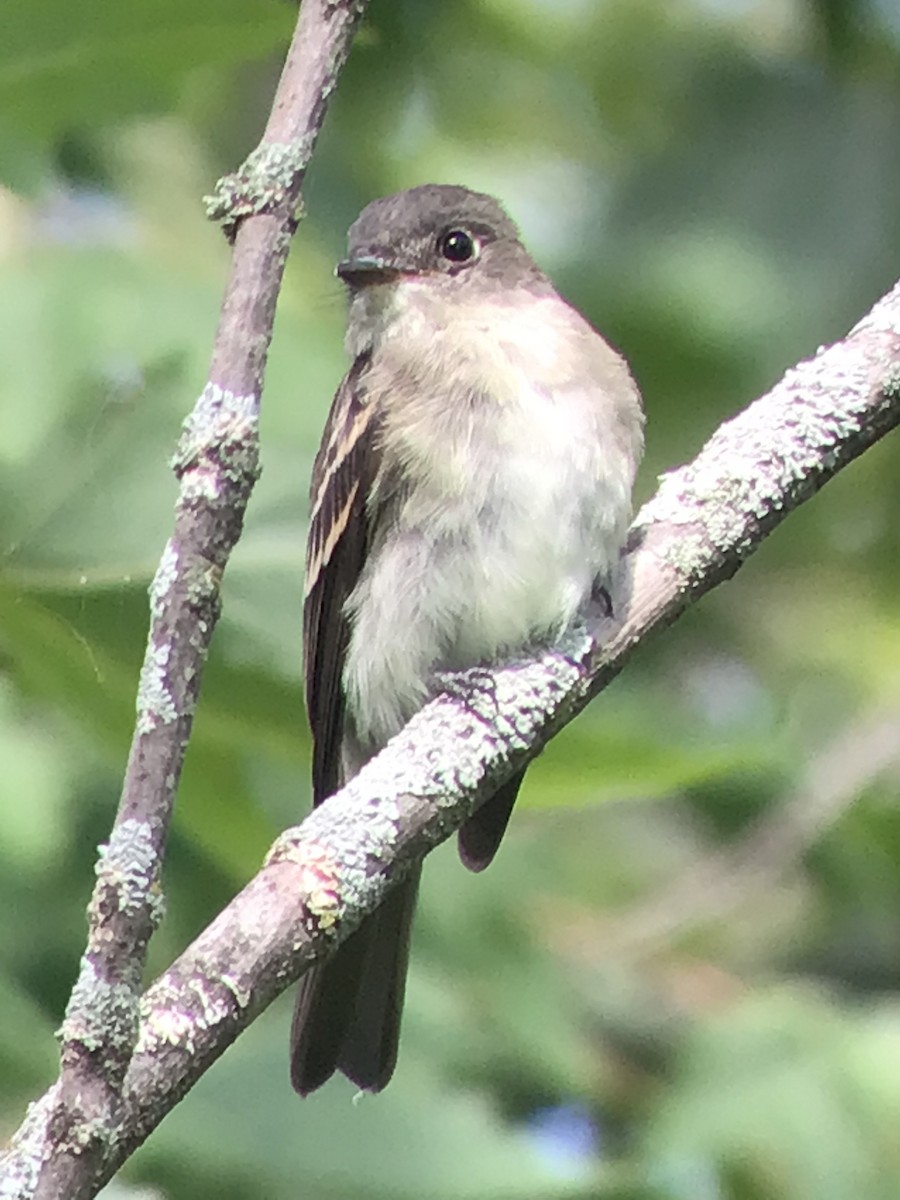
457 246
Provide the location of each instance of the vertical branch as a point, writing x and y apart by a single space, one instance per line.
217 464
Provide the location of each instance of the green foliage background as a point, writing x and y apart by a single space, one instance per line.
715 184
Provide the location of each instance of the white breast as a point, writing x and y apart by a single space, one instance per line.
517 498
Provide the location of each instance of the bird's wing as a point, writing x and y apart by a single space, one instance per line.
343 472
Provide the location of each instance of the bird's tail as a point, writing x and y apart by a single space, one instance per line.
347 1016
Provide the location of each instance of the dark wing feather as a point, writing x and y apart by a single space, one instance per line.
338 536
347 1014
480 837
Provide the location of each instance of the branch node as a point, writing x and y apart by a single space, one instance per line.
265 182
219 440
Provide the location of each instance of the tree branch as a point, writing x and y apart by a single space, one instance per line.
217 463
321 878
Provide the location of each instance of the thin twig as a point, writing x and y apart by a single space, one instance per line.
217 464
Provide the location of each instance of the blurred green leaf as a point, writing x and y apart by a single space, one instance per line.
63 66
803 1098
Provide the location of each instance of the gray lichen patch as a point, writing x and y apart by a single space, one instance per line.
201 581
164 579
100 1015
129 864
219 440
21 1163
156 704
262 184
891 385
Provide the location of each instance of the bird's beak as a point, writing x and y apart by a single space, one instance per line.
366 269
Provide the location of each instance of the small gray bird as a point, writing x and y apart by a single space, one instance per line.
472 488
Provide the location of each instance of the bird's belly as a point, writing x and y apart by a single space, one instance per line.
505 583
473 573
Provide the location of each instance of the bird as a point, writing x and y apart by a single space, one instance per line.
471 492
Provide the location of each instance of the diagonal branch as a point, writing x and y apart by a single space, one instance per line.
321 878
